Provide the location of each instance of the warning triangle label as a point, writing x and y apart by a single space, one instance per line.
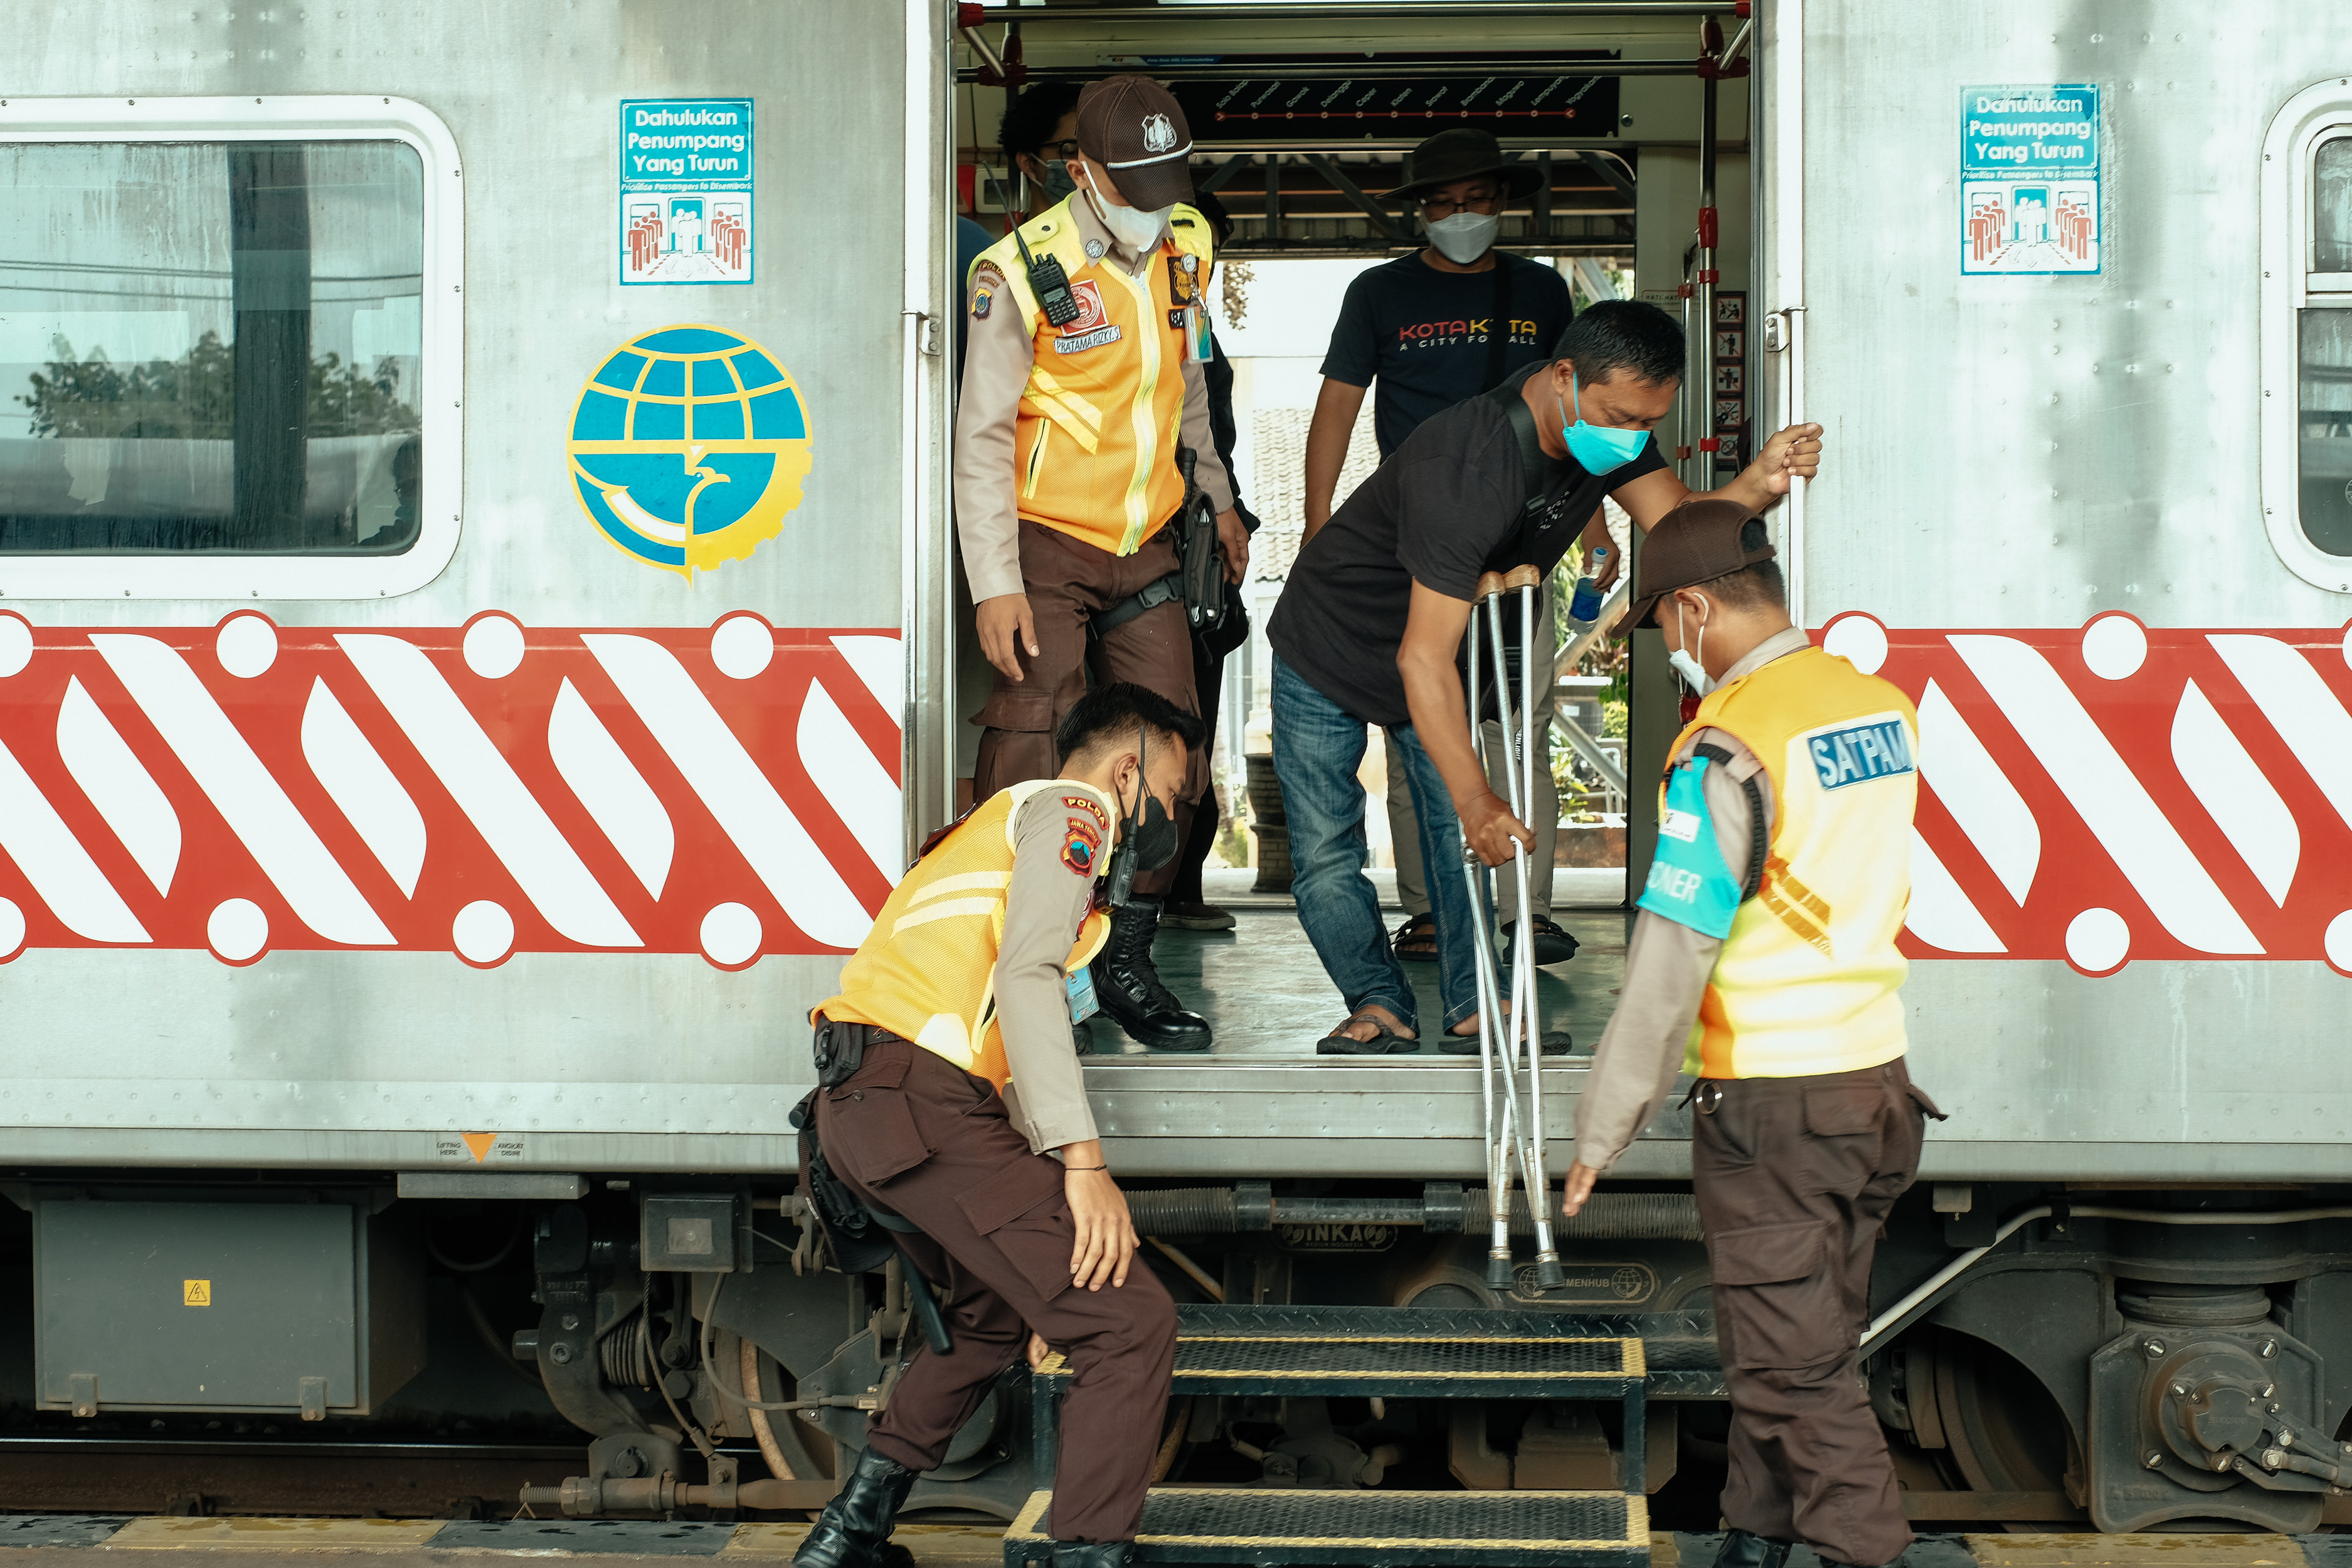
480 1142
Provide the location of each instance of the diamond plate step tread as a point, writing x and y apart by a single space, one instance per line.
1395 1352
1470 1529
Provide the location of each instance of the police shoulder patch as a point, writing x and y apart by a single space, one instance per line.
1087 803
1081 841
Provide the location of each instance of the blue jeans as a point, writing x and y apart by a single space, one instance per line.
1317 747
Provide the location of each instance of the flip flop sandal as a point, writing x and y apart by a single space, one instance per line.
1553 945
1552 1042
1387 1043
1416 940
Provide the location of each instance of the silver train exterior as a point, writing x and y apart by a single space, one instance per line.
518 852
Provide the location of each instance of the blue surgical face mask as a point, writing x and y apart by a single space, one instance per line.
1597 449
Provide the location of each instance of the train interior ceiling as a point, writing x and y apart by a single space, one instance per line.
1302 116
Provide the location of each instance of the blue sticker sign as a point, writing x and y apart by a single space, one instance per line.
685 190
2030 166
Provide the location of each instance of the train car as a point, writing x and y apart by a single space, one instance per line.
479 638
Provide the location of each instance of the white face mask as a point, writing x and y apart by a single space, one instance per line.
1685 663
1133 228
1463 237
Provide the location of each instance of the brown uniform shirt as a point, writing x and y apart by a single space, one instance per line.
1047 1097
1668 964
999 349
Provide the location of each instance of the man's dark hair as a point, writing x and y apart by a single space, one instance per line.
1757 586
1623 335
1109 716
1029 119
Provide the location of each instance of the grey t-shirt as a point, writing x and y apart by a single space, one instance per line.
1444 508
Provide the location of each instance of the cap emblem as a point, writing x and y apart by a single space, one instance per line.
1158 134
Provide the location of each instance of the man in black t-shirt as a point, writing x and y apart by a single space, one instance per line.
1372 620
1448 322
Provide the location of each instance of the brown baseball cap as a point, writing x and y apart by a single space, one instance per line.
1693 544
1133 127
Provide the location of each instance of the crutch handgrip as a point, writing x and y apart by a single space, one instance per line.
1517 577
1490 584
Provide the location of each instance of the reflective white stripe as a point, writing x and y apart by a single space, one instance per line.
950 910
853 781
746 804
1941 915
124 792
243 790
358 781
1977 794
477 775
2300 707
2111 801
2229 784
610 786
54 861
881 664
1162 158
963 882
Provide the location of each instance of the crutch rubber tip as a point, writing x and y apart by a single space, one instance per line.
1547 1274
1500 1275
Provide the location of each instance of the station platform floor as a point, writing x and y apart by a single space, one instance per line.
52 1540
1265 994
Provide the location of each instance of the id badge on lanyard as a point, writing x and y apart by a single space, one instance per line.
1083 1005
1188 312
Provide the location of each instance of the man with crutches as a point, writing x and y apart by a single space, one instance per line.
1370 626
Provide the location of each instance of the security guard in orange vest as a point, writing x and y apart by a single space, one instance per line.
1763 961
949 1098
1087 332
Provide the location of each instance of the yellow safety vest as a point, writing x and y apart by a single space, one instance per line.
1806 983
1096 436
928 969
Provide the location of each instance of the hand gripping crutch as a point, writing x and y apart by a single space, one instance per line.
1494 1057
1525 1026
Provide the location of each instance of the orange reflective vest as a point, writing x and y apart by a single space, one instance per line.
1096 434
928 969
1806 983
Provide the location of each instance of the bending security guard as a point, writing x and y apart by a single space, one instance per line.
1089 330
966 1118
1763 961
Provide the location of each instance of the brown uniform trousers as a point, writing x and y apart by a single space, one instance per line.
1794 1177
1066 581
914 1135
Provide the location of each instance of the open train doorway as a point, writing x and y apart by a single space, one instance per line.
1304 117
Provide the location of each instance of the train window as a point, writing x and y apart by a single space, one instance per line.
2306 335
223 372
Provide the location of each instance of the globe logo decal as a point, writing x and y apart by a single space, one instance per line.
688 447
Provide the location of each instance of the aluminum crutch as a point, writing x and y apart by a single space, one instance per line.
1499 1135
1525 1019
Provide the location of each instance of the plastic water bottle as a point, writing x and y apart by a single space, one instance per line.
1584 608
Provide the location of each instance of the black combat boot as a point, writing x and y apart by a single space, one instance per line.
854 1532
1742 1549
1129 988
1092 1554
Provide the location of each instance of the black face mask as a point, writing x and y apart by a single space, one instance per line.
1147 841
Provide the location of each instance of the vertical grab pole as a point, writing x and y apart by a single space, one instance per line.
1497 1135
1527 1019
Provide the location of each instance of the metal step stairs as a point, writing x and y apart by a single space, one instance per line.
1392 1354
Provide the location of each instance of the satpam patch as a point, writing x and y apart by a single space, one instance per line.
985 281
1080 842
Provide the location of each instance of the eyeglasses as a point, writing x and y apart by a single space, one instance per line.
1056 152
1439 208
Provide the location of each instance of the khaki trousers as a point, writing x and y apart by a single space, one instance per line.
912 1134
1794 1178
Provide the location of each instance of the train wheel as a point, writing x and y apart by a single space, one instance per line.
1986 1421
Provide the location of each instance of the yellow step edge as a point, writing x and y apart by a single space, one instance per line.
929 1543
273 1534
2087 1551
